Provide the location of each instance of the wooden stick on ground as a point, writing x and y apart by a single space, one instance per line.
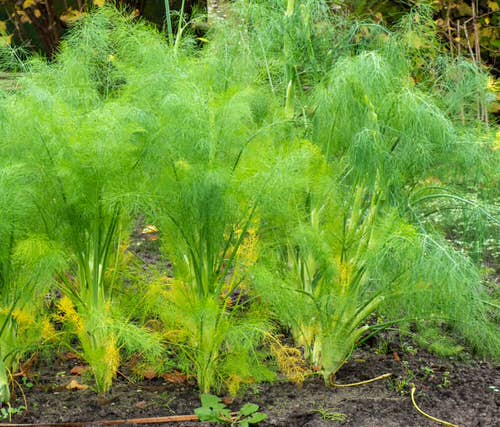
132 421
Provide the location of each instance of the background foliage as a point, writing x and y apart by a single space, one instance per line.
471 26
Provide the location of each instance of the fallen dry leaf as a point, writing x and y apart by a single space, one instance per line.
71 15
79 370
74 385
149 374
71 356
227 400
175 377
141 404
26 368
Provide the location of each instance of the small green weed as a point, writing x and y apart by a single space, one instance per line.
402 383
214 411
409 349
6 412
427 371
382 347
445 383
328 415
164 400
26 383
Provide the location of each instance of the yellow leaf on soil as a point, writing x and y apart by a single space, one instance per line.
149 229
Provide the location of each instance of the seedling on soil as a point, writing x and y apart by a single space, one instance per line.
8 411
445 382
427 371
402 384
409 349
328 415
214 411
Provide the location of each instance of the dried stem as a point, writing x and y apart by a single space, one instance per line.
380 377
448 28
467 38
430 417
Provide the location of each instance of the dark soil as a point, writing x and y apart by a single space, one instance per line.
466 393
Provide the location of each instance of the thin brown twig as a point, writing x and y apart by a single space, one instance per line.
475 26
480 16
131 421
448 27
125 377
468 44
22 392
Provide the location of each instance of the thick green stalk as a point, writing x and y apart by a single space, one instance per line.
180 27
289 110
168 18
287 46
338 340
4 383
7 335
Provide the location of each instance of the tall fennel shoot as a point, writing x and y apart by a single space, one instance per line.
27 262
84 178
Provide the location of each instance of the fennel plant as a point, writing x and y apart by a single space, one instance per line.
82 163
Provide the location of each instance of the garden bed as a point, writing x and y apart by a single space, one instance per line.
465 393
301 170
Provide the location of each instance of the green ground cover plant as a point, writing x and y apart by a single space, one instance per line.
289 166
213 410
